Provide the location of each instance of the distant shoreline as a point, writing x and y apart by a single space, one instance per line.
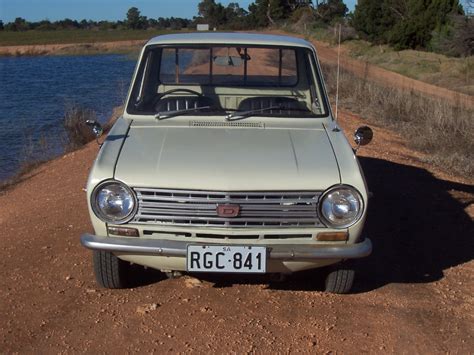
127 46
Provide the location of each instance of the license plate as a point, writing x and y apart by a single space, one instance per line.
214 258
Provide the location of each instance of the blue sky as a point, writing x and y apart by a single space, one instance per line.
36 10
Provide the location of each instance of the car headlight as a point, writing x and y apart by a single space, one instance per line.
341 206
113 202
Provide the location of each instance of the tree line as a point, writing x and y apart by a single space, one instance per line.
437 25
260 13
133 20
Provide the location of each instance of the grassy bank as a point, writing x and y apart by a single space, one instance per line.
455 74
452 73
444 132
8 38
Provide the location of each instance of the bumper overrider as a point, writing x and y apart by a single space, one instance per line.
179 248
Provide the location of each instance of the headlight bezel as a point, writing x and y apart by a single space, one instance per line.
356 194
99 213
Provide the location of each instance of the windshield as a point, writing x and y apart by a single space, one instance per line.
204 80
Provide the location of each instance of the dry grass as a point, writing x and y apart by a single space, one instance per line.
436 69
443 131
77 132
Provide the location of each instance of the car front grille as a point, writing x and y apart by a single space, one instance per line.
199 208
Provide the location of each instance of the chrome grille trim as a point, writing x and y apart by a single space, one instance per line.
199 208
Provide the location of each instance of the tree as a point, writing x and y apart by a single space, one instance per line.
234 11
266 12
258 13
44 25
19 24
456 38
403 24
235 16
134 20
372 20
213 13
414 28
330 10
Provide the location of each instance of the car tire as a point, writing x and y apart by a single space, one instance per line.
340 278
110 271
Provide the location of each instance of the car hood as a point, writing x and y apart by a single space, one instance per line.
227 159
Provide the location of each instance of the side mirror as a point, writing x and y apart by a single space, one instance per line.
96 129
363 135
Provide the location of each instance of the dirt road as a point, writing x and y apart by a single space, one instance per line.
414 294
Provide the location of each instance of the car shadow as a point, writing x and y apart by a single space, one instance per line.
417 228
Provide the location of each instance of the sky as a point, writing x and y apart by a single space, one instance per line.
37 10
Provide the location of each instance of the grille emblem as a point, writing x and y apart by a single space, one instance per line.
228 210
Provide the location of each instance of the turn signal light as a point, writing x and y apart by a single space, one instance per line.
332 236
127 232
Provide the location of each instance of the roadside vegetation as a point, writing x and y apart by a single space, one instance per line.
445 132
453 73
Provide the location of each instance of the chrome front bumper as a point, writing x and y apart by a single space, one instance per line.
175 248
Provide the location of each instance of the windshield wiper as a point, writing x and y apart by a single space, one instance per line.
244 114
167 114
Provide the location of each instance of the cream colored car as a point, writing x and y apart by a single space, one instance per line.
227 159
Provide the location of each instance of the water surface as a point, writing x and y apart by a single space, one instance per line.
36 91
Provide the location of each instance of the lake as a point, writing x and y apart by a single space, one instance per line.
35 92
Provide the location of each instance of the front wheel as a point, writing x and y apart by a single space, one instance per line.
110 271
340 278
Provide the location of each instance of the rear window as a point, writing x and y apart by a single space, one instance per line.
229 66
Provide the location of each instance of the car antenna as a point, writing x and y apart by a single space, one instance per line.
336 129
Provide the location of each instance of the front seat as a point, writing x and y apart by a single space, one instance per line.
174 103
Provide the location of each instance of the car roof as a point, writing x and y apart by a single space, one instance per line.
232 38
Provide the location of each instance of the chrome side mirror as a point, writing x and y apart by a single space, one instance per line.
96 129
363 135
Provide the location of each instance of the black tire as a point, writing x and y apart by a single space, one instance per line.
340 278
110 271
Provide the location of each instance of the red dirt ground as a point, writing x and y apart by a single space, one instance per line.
414 294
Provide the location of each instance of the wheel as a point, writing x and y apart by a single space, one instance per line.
110 271
340 278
